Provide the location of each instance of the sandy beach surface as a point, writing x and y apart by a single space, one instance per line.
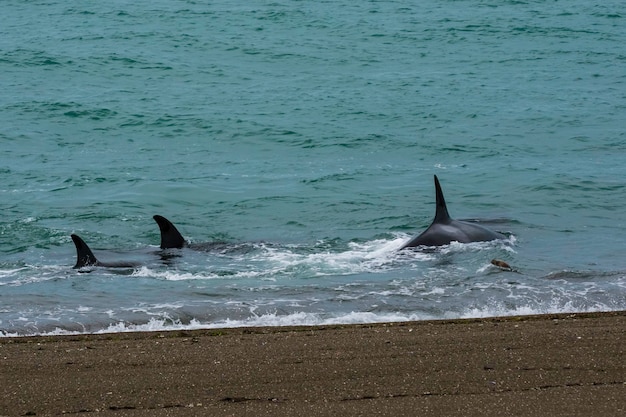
553 365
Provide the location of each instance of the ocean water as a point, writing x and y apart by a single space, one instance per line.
305 135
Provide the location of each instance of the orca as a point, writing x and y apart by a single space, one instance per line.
171 238
444 230
85 257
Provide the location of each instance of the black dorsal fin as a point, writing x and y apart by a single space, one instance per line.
441 215
170 236
84 255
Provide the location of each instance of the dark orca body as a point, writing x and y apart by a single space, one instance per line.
85 257
171 238
444 230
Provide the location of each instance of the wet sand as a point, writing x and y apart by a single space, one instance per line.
553 365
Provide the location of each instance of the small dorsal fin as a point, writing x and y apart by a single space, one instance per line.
84 255
441 215
170 236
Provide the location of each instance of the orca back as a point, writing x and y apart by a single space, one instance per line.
444 230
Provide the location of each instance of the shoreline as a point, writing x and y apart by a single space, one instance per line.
285 328
553 364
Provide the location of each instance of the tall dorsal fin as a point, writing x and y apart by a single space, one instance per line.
441 215
84 255
170 236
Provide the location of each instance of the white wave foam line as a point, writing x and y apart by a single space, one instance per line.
361 257
497 309
177 275
456 247
379 248
39 274
55 332
312 319
369 256
285 261
153 309
153 325
8 272
265 320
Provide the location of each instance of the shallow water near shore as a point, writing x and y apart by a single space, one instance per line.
305 136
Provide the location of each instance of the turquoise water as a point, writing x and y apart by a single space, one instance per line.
305 135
